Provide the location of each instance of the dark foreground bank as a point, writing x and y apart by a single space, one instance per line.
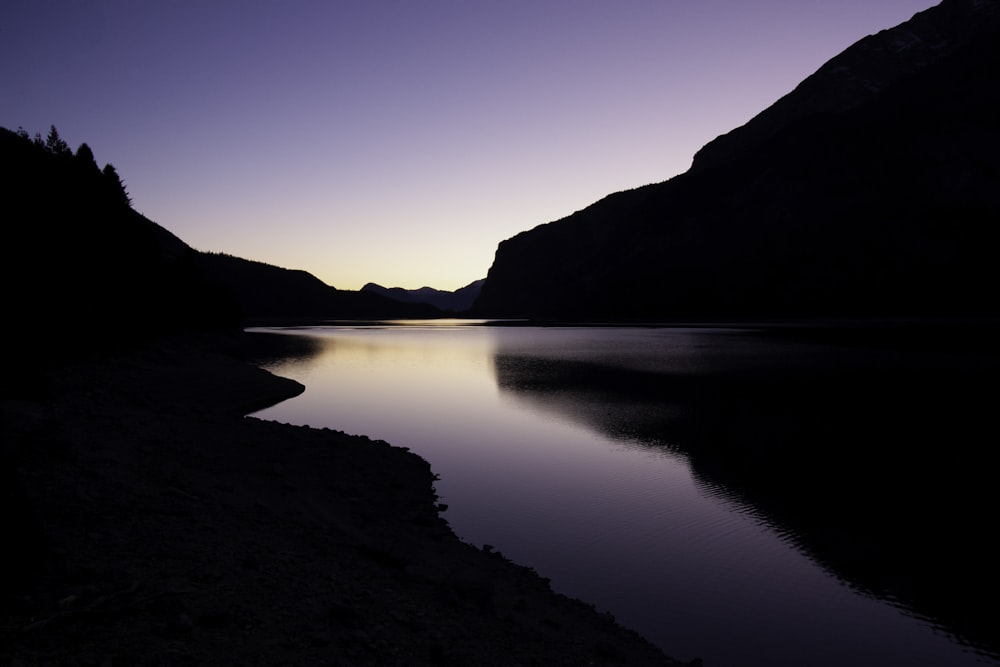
174 530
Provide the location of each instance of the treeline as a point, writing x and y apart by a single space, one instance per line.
82 270
84 158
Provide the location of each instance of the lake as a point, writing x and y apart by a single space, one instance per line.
669 476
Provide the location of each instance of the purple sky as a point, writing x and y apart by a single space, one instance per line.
396 141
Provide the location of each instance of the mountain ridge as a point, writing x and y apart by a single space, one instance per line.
77 251
886 208
269 294
859 73
455 301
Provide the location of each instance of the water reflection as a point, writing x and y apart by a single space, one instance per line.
598 457
870 458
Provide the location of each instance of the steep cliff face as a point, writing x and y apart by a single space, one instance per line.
872 189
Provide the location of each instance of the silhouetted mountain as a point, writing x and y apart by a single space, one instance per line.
270 293
860 73
86 274
872 189
83 274
82 270
77 258
458 301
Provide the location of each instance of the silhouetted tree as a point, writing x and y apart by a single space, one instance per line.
55 144
23 133
115 182
85 157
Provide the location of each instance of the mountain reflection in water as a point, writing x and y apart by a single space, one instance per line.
865 449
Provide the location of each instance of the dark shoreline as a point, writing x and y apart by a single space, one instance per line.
177 531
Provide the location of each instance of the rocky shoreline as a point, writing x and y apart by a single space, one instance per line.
176 531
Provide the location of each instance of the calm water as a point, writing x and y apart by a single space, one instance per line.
564 479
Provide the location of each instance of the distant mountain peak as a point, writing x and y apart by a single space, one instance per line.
457 301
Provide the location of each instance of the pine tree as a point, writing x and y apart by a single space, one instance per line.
55 144
114 181
85 157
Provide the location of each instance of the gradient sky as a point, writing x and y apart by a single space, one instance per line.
396 141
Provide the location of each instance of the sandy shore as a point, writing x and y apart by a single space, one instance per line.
178 531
